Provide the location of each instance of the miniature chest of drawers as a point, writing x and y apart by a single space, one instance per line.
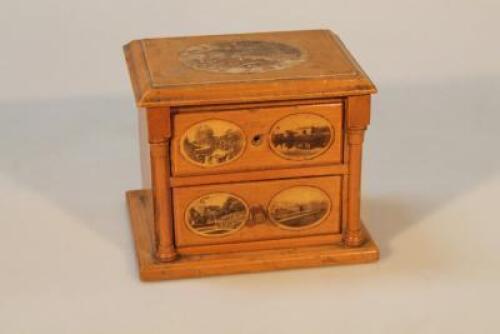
251 153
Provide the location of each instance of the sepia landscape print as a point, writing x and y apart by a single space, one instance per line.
301 136
241 56
216 214
212 143
299 207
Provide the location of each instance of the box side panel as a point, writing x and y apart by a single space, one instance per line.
144 149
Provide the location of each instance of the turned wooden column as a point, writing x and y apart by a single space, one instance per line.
357 120
159 133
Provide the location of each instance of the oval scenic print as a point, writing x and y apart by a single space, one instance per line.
301 136
241 56
212 143
299 207
216 214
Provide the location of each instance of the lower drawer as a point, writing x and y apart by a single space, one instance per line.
256 211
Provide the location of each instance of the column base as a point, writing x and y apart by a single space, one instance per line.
354 238
166 255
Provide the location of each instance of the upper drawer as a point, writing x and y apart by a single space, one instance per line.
262 138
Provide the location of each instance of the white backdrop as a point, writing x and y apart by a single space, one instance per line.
68 152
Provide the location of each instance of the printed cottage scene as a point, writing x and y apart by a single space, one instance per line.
301 136
212 143
299 207
216 214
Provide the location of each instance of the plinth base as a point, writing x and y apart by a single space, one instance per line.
141 216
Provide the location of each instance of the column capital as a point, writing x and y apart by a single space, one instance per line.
159 127
358 112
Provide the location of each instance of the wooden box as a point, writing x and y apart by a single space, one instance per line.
251 153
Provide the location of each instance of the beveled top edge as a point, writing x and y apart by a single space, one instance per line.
150 94
231 35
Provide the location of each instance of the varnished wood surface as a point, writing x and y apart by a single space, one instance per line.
162 197
140 210
160 77
259 175
315 240
258 194
258 124
254 141
254 105
357 119
144 150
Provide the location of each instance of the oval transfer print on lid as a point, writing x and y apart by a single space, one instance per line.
212 143
216 214
299 207
301 136
241 56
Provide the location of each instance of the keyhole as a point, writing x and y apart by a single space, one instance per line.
257 140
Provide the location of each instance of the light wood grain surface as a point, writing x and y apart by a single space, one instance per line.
261 133
252 260
160 77
256 129
69 151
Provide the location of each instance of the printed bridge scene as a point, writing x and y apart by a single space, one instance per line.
301 137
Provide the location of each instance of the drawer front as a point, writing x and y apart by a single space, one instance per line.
265 138
266 210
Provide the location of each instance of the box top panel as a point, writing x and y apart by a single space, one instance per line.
244 67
